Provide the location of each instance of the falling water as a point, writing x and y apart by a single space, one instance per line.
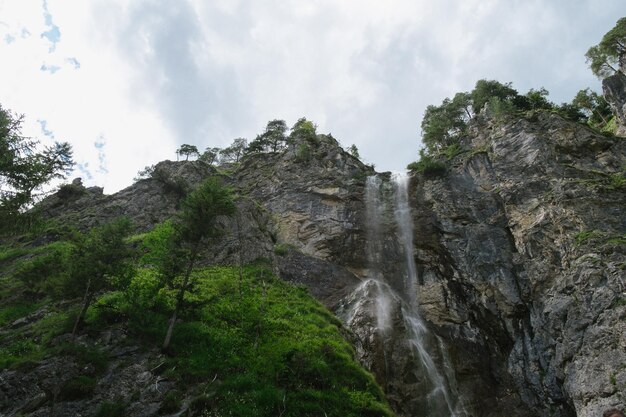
379 290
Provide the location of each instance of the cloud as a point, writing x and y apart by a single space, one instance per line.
155 73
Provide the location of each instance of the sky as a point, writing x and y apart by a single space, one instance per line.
127 82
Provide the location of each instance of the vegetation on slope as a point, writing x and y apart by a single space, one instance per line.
245 342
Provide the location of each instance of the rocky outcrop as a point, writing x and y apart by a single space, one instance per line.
521 250
614 89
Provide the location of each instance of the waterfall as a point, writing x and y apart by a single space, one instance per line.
390 291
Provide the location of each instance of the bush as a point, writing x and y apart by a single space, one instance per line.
303 154
111 409
428 166
71 191
171 403
80 387
46 271
281 249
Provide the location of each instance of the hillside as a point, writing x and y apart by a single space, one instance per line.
491 285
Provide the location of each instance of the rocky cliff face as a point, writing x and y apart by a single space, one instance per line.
519 254
521 247
614 89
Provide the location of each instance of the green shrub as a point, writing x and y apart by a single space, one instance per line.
111 409
281 249
47 271
70 191
584 236
77 388
85 356
303 153
453 150
428 166
171 403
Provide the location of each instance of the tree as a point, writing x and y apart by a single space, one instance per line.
198 222
609 56
593 105
187 151
210 155
443 125
485 90
354 151
100 259
275 134
534 100
235 151
303 129
572 112
25 166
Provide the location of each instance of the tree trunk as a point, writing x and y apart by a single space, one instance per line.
604 121
86 301
180 298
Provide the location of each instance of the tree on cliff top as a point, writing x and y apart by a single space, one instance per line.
609 56
187 151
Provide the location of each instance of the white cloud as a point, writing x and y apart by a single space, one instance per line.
148 75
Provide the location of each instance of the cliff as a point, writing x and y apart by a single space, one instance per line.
493 288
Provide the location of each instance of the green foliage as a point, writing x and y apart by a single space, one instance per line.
18 352
202 208
428 165
187 150
145 173
281 249
171 184
210 155
235 151
303 130
584 236
78 388
609 55
500 108
594 107
303 153
571 112
271 347
443 126
272 140
452 151
534 100
100 259
171 403
354 151
47 271
487 90
25 167
85 356
111 409
70 191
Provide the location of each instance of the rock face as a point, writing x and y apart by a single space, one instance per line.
519 250
614 89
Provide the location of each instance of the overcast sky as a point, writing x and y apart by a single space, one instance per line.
126 82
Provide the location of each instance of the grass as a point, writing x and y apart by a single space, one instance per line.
269 347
